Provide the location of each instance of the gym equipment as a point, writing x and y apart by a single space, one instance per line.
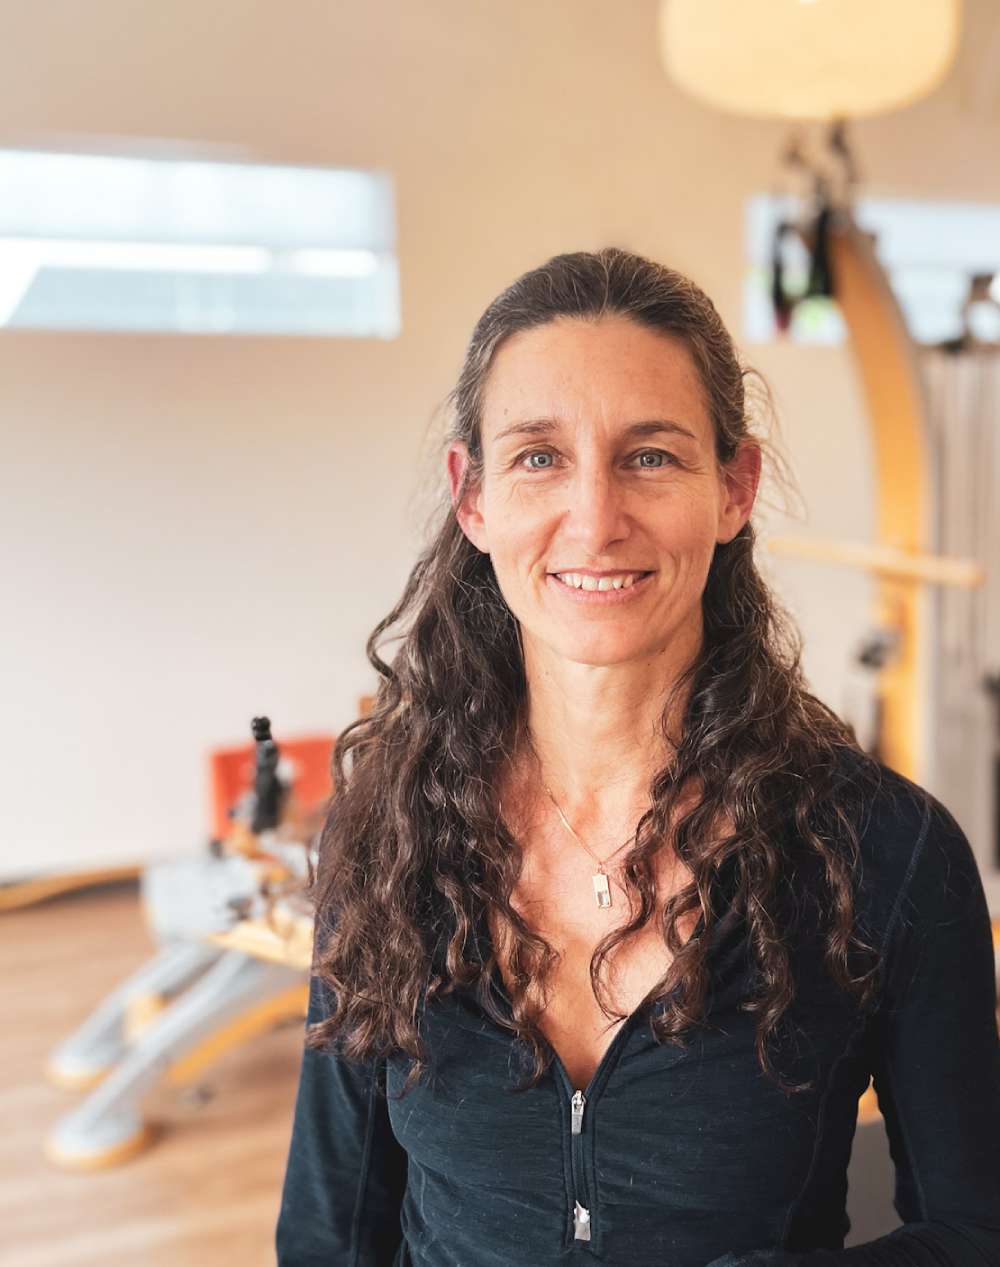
234 934
844 264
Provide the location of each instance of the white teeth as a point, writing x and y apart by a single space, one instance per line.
579 581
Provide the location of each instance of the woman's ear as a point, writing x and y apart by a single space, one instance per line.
740 478
467 510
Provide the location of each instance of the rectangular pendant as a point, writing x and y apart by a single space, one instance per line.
602 890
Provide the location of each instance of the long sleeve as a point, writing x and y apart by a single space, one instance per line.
346 1171
936 1070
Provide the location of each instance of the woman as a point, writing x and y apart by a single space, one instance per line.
615 921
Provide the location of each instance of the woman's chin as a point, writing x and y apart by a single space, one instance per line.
604 652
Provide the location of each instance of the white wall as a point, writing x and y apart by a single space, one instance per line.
195 529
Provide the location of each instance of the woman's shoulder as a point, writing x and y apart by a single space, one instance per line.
915 860
903 821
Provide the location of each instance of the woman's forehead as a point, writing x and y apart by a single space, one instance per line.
612 373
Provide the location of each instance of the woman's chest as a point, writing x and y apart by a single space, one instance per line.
559 904
573 1021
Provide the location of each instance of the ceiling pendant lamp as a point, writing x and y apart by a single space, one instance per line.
808 59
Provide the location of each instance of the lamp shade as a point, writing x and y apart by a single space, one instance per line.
808 59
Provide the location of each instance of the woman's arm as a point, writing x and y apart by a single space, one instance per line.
346 1171
936 1069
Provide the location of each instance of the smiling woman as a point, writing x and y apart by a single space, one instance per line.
597 832
599 509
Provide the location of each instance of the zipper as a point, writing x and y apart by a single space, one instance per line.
581 1215
576 1106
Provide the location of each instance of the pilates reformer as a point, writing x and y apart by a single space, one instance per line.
234 936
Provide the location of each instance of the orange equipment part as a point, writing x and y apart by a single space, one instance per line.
231 774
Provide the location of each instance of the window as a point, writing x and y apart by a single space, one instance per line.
99 242
929 250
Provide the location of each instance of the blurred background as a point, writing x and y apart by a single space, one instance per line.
242 247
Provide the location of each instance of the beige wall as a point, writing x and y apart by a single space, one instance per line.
196 529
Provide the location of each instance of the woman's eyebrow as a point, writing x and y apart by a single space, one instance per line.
545 426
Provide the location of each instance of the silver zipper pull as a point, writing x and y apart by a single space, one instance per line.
577 1105
581 1223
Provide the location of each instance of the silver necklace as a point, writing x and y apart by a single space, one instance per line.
602 888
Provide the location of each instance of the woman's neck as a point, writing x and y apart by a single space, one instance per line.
594 735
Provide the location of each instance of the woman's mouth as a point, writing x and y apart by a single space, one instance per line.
614 588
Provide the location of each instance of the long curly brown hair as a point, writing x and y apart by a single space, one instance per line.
415 852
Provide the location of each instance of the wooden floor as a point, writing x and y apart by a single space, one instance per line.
206 1194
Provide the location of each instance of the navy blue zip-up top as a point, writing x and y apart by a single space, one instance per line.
687 1158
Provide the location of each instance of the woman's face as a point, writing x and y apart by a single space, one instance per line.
599 462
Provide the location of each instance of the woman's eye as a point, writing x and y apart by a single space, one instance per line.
537 453
655 453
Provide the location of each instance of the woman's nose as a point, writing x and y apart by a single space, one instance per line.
595 509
